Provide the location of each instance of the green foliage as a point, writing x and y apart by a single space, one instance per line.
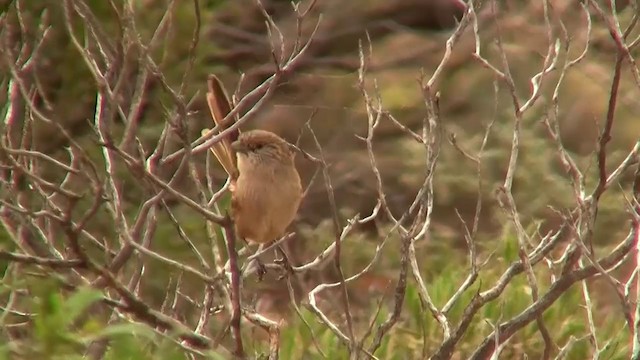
66 324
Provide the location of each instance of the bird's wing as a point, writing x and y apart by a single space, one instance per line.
220 107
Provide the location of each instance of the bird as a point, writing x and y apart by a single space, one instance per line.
266 189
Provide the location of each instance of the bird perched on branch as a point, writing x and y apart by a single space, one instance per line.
265 185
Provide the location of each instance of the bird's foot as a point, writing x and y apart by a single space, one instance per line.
261 270
284 265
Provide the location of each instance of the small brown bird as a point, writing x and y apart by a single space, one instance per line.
265 185
268 190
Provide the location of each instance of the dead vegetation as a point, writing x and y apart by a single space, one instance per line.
472 192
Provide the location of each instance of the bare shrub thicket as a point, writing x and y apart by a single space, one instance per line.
81 243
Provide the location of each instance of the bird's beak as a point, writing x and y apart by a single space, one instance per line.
238 147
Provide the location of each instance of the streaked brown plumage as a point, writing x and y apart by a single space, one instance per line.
266 188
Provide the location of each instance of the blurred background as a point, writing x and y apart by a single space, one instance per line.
407 38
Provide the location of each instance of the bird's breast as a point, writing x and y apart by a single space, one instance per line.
264 204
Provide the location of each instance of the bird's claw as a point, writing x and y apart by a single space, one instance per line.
261 270
284 266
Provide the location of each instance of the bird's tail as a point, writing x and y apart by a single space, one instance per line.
220 106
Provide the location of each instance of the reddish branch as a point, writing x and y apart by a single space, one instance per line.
236 311
36 260
606 132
